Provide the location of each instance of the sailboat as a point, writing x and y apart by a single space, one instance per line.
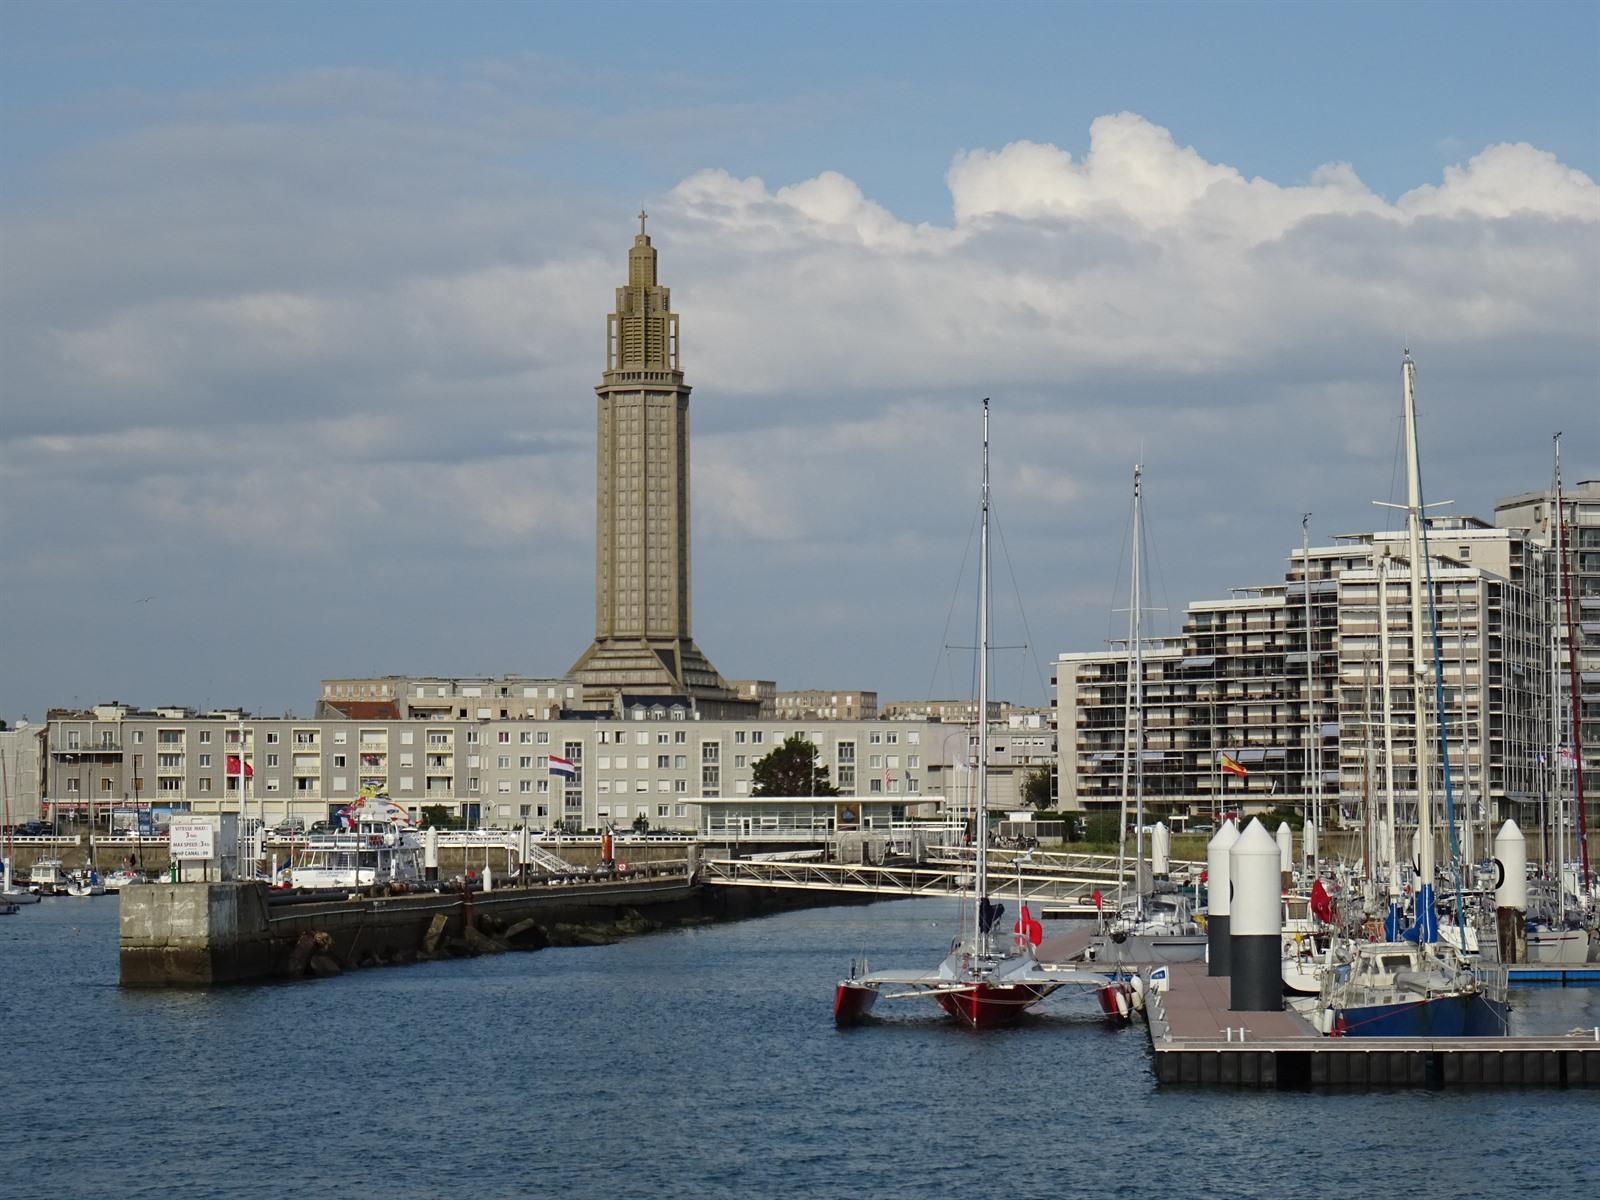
983 982
1148 927
1414 984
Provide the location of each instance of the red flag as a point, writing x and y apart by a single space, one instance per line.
1027 927
1321 903
233 767
1099 901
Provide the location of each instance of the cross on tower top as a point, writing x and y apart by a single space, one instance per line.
642 215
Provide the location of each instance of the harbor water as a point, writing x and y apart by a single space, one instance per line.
696 1063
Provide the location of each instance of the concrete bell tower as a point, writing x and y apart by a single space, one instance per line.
643 645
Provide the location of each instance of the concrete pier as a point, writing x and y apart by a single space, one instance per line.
1197 1039
212 934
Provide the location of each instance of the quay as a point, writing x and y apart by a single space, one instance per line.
179 935
1197 1040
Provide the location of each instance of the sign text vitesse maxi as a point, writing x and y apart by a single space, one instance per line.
193 842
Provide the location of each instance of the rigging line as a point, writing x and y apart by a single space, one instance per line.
1149 550
1027 634
943 654
1127 533
1394 476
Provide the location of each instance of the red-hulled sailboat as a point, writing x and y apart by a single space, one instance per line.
987 979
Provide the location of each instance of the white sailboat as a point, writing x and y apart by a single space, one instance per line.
983 981
1414 984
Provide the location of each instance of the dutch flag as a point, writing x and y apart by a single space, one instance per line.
562 767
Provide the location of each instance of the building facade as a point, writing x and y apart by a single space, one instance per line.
657 763
1302 717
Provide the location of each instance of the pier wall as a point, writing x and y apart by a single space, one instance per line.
211 934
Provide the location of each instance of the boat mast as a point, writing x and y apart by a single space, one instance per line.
1391 836
1313 729
981 834
1564 582
1138 683
1426 921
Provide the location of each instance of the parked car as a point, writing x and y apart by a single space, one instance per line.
33 829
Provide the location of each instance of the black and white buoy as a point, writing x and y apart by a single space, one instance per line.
1511 892
1217 886
1255 942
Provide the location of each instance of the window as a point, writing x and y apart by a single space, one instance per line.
340 737
680 761
738 737
875 761
406 783
604 787
679 737
641 738
472 785
913 761
875 738
525 762
641 785
544 738
914 738
642 763
405 760
663 762
205 784
72 785
525 786
205 737
138 737
755 737
663 739
504 736
681 786
338 760
503 787
663 810
205 760
272 760
406 736
472 737
503 762
738 760
526 738
272 737
272 784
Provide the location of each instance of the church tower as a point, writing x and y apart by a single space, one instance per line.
642 641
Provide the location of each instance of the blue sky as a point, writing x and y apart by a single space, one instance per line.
312 293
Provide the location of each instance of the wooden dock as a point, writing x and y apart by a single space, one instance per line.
1197 1040
1553 975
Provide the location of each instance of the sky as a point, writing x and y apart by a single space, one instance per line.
302 306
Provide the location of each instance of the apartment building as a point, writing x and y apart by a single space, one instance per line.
823 704
659 762
1286 681
1575 654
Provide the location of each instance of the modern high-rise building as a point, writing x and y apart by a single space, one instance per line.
643 645
1302 718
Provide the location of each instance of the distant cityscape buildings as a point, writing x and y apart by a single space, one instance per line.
1288 681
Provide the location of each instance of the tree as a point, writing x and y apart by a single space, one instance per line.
641 824
436 816
791 770
1036 788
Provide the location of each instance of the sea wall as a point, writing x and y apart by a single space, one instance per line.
188 935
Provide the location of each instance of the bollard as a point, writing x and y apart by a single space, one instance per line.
1217 889
430 854
1255 941
488 880
1308 847
1160 850
1285 855
1511 892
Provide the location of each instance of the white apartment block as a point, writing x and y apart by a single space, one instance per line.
655 764
1243 679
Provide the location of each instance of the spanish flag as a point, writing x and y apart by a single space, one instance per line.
1233 766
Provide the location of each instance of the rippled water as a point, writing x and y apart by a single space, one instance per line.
699 1063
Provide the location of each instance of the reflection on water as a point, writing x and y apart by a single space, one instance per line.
699 1063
